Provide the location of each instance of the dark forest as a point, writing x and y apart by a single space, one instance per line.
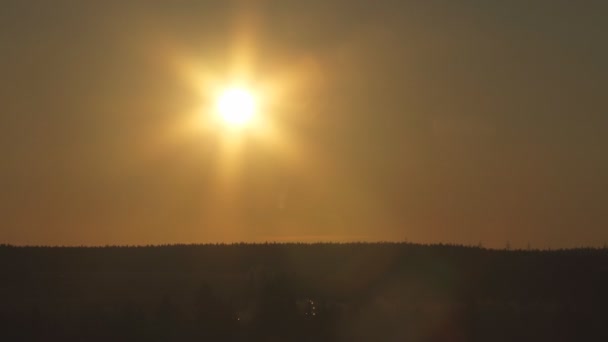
302 292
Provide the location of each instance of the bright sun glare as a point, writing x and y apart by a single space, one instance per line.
236 106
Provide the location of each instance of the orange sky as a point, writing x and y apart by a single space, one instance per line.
432 121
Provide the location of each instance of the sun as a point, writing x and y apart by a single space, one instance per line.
236 106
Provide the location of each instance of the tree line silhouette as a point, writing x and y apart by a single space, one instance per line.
302 292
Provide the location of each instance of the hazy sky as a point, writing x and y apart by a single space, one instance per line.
432 121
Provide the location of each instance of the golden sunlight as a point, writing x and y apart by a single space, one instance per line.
236 106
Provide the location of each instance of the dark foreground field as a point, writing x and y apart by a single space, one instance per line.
292 292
